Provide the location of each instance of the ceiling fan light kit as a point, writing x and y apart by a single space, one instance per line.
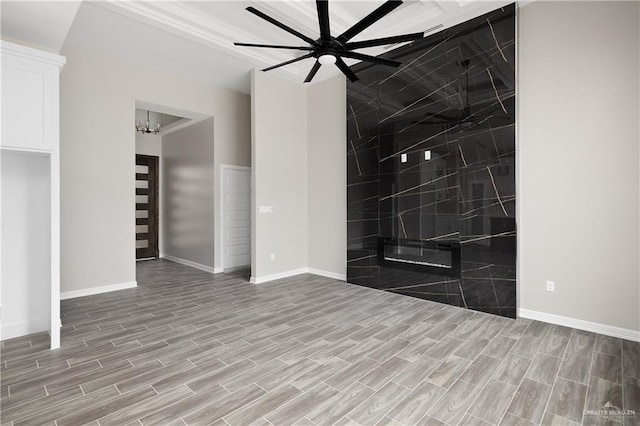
327 59
329 50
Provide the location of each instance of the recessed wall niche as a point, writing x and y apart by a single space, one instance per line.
431 194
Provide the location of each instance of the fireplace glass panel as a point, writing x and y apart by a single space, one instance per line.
418 253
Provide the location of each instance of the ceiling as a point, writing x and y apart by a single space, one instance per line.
156 118
170 119
196 37
38 23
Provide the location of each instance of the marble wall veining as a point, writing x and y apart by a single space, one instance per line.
431 192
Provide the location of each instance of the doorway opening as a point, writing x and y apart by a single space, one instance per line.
201 214
147 207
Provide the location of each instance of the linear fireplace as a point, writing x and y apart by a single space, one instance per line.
429 256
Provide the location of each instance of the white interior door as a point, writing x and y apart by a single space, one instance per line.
236 205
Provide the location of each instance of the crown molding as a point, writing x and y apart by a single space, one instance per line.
21 51
201 26
182 21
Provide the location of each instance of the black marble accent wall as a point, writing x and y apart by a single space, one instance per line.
431 168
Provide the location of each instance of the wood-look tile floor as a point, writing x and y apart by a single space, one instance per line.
187 347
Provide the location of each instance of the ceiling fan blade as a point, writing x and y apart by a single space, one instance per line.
385 40
346 70
274 46
369 20
323 19
369 58
313 72
289 62
281 25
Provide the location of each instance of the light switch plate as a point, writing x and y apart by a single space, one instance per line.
403 158
265 209
427 155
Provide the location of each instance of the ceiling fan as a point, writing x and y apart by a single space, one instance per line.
330 50
464 118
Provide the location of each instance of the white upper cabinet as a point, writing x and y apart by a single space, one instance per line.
30 98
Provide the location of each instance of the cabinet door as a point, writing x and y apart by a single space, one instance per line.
27 104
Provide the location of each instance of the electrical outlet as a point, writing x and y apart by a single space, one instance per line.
551 286
273 256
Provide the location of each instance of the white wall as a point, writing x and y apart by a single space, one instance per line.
26 243
578 125
150 144
189 209
279 175
98 95
299 168
327 176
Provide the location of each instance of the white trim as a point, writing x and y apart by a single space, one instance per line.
23 328
234 167
191 25
200 266
18 150
32 54
608 330
188 117
212 32
97 290
328 274
291 273
224 167
279 275
54 171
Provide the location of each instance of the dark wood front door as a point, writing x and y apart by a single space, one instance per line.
146 206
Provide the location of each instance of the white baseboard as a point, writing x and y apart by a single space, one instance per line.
23 328
200 266
291 273
279 275
594 327
97 290
328 274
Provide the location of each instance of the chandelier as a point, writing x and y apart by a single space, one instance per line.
146 128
